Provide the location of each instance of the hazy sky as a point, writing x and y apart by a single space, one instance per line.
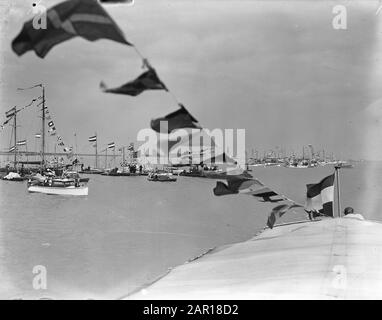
276 68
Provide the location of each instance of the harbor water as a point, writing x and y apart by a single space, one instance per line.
128 231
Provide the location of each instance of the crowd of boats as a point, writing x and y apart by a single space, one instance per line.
69 179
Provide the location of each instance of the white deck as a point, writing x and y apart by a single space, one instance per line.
328 259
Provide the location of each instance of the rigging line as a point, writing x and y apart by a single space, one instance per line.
146 64
22 108
35 86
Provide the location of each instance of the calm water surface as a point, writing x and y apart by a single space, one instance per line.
129 231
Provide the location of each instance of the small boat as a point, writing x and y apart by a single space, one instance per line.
64 190
75 175
161 177
57 186
91 171
12 176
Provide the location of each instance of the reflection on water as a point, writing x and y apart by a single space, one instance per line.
129 231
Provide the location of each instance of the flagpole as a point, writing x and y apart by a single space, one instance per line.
337 168
26 149
96 151
15 139
43 130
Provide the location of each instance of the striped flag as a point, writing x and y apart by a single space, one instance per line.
11 112
66 20
111 145
92 139
320 196
37 135
148 80
11 149
21 143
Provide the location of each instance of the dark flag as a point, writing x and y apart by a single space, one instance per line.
251 187
66 20
148 80
320 196
10 113
279 211
176 120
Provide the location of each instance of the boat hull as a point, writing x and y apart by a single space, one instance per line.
66 191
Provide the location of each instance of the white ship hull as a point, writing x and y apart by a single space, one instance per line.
330 259
70 191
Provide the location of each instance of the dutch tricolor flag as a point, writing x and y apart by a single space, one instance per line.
320 196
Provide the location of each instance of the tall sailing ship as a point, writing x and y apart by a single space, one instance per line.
48 180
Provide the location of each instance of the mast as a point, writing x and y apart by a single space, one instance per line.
106 158
15 139
114 155
96 151
337 176
43 131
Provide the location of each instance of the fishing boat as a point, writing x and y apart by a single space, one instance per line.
161 177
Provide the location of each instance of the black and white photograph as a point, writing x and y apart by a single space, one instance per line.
190 150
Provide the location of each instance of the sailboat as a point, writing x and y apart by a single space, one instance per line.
14 175
67 185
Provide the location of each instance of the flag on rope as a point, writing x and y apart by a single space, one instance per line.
11 149
21 143
52 131
148 80
66 20
320 197
242 185
176 120
92 139
278 211
131 147
111 145
11 112
5 122
116 1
